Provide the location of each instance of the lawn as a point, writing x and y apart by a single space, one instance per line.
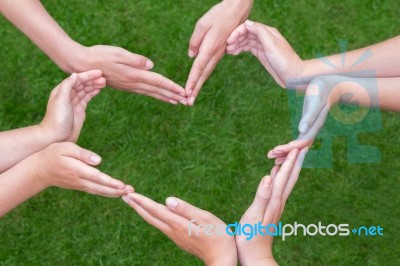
212 154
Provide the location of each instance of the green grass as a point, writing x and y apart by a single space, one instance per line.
213 154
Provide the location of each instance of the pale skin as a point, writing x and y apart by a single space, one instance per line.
284 64
208 41
42 156
125 70
379 65
122 69
267 207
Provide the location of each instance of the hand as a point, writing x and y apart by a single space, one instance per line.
67 104
271 49
68 166
321 94
129 72
175 221
208 41
267 208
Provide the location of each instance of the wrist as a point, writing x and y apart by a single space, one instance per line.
270 261
225 261
32 164
73 58
242 6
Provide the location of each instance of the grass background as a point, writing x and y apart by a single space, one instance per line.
213 154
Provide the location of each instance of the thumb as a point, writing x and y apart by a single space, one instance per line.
64 91
135 60
74 151
257 208
312 107
197 38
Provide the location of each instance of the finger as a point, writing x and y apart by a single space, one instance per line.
96 176
155 96
236 34
312 133
280 160
196 40
149 218
282 176
313 104
274 171
100 190
157 210
159 81
134 60
65 88
74 151
188 211
294 175
283 150
206 72
86 76
257 208
151 89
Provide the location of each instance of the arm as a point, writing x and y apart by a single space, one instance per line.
63 120
122 69
289 70
326 91
184 224
267 208
63 165
208 41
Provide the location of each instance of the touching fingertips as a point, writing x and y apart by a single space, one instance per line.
126 199
249 23
171 203
73 75
191 100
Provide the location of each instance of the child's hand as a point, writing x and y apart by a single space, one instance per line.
267 208
67 104
66 165
270 47
321 94
175 219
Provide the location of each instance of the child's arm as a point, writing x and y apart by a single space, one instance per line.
63 120
283 63
63 165
122 69
325 91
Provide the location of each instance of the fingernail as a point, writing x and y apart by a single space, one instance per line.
120 186
173 102
171 203
191 100
267 181
189 92
191 53
126 199
73 75
95 158
183 102
149 64
303 128
276 152
249 23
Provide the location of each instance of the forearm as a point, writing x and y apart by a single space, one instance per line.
34 21
18 144
379 60
17 185
382 93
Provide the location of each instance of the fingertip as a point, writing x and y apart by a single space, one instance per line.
126 199
96 159
171 202
267 181
191 53
149 64
249 23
